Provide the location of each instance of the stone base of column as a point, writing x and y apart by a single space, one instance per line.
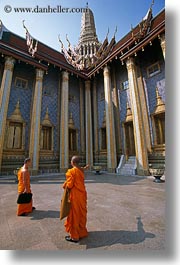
143 172
34 172
63 170
111 170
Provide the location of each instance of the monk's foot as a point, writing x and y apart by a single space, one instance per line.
68 238
24 214
33 208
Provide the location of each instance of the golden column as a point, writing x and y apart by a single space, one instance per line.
34 145
82 118
110 127
139 132
116 114
144 107
4 99
163 44
88 115
64 118
95 117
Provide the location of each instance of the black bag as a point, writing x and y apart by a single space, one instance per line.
24 198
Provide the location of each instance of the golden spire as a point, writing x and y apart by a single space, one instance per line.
160 106
47 121
104 119
16 115
71 122
128 112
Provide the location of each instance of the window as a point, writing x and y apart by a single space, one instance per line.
14 139
72 140
72 98
124 85
46 138
47 91
159 121
21 83
103 139
153 69
102 95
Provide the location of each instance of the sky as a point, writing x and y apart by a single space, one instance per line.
46 27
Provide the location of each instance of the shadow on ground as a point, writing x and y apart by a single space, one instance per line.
97 239
39 214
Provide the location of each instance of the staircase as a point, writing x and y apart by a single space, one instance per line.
127 168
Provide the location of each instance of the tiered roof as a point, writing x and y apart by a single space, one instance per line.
143 34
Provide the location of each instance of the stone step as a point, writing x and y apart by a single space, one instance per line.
126 172
129 167
130 162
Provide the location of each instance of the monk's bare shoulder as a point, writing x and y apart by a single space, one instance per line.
24 172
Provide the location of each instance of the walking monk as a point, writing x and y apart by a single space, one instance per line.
24 187
75 223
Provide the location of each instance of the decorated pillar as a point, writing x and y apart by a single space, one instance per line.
88 121
34 145
110 128
64 118
144 107
95 117
116 114
139 132
4 99
82 131
163 44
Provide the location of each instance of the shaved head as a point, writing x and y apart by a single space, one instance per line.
75 160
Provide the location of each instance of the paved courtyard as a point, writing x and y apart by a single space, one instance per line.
124 213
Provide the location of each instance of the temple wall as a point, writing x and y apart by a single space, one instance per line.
151 83
121 76
101 105
24 95
50 100
103 101
74 104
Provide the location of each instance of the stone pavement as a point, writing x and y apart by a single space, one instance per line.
124 213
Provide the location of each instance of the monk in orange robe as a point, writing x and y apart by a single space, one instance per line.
75 223
24 187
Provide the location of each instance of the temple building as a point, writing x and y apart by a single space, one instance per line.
102 101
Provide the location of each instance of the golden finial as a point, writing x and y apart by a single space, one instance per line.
107 33
69 44
62 46
115 31
152 3
24 26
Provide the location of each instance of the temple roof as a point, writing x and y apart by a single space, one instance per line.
88 29
16 46
129 45
136 39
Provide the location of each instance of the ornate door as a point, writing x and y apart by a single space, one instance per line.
129 139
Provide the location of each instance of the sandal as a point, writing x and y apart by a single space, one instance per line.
24 214
68 238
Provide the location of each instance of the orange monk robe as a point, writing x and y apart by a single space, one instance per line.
26 207
75 223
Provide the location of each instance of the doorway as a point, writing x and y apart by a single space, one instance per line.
129 139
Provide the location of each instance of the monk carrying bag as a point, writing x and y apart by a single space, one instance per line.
24 198
65 204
